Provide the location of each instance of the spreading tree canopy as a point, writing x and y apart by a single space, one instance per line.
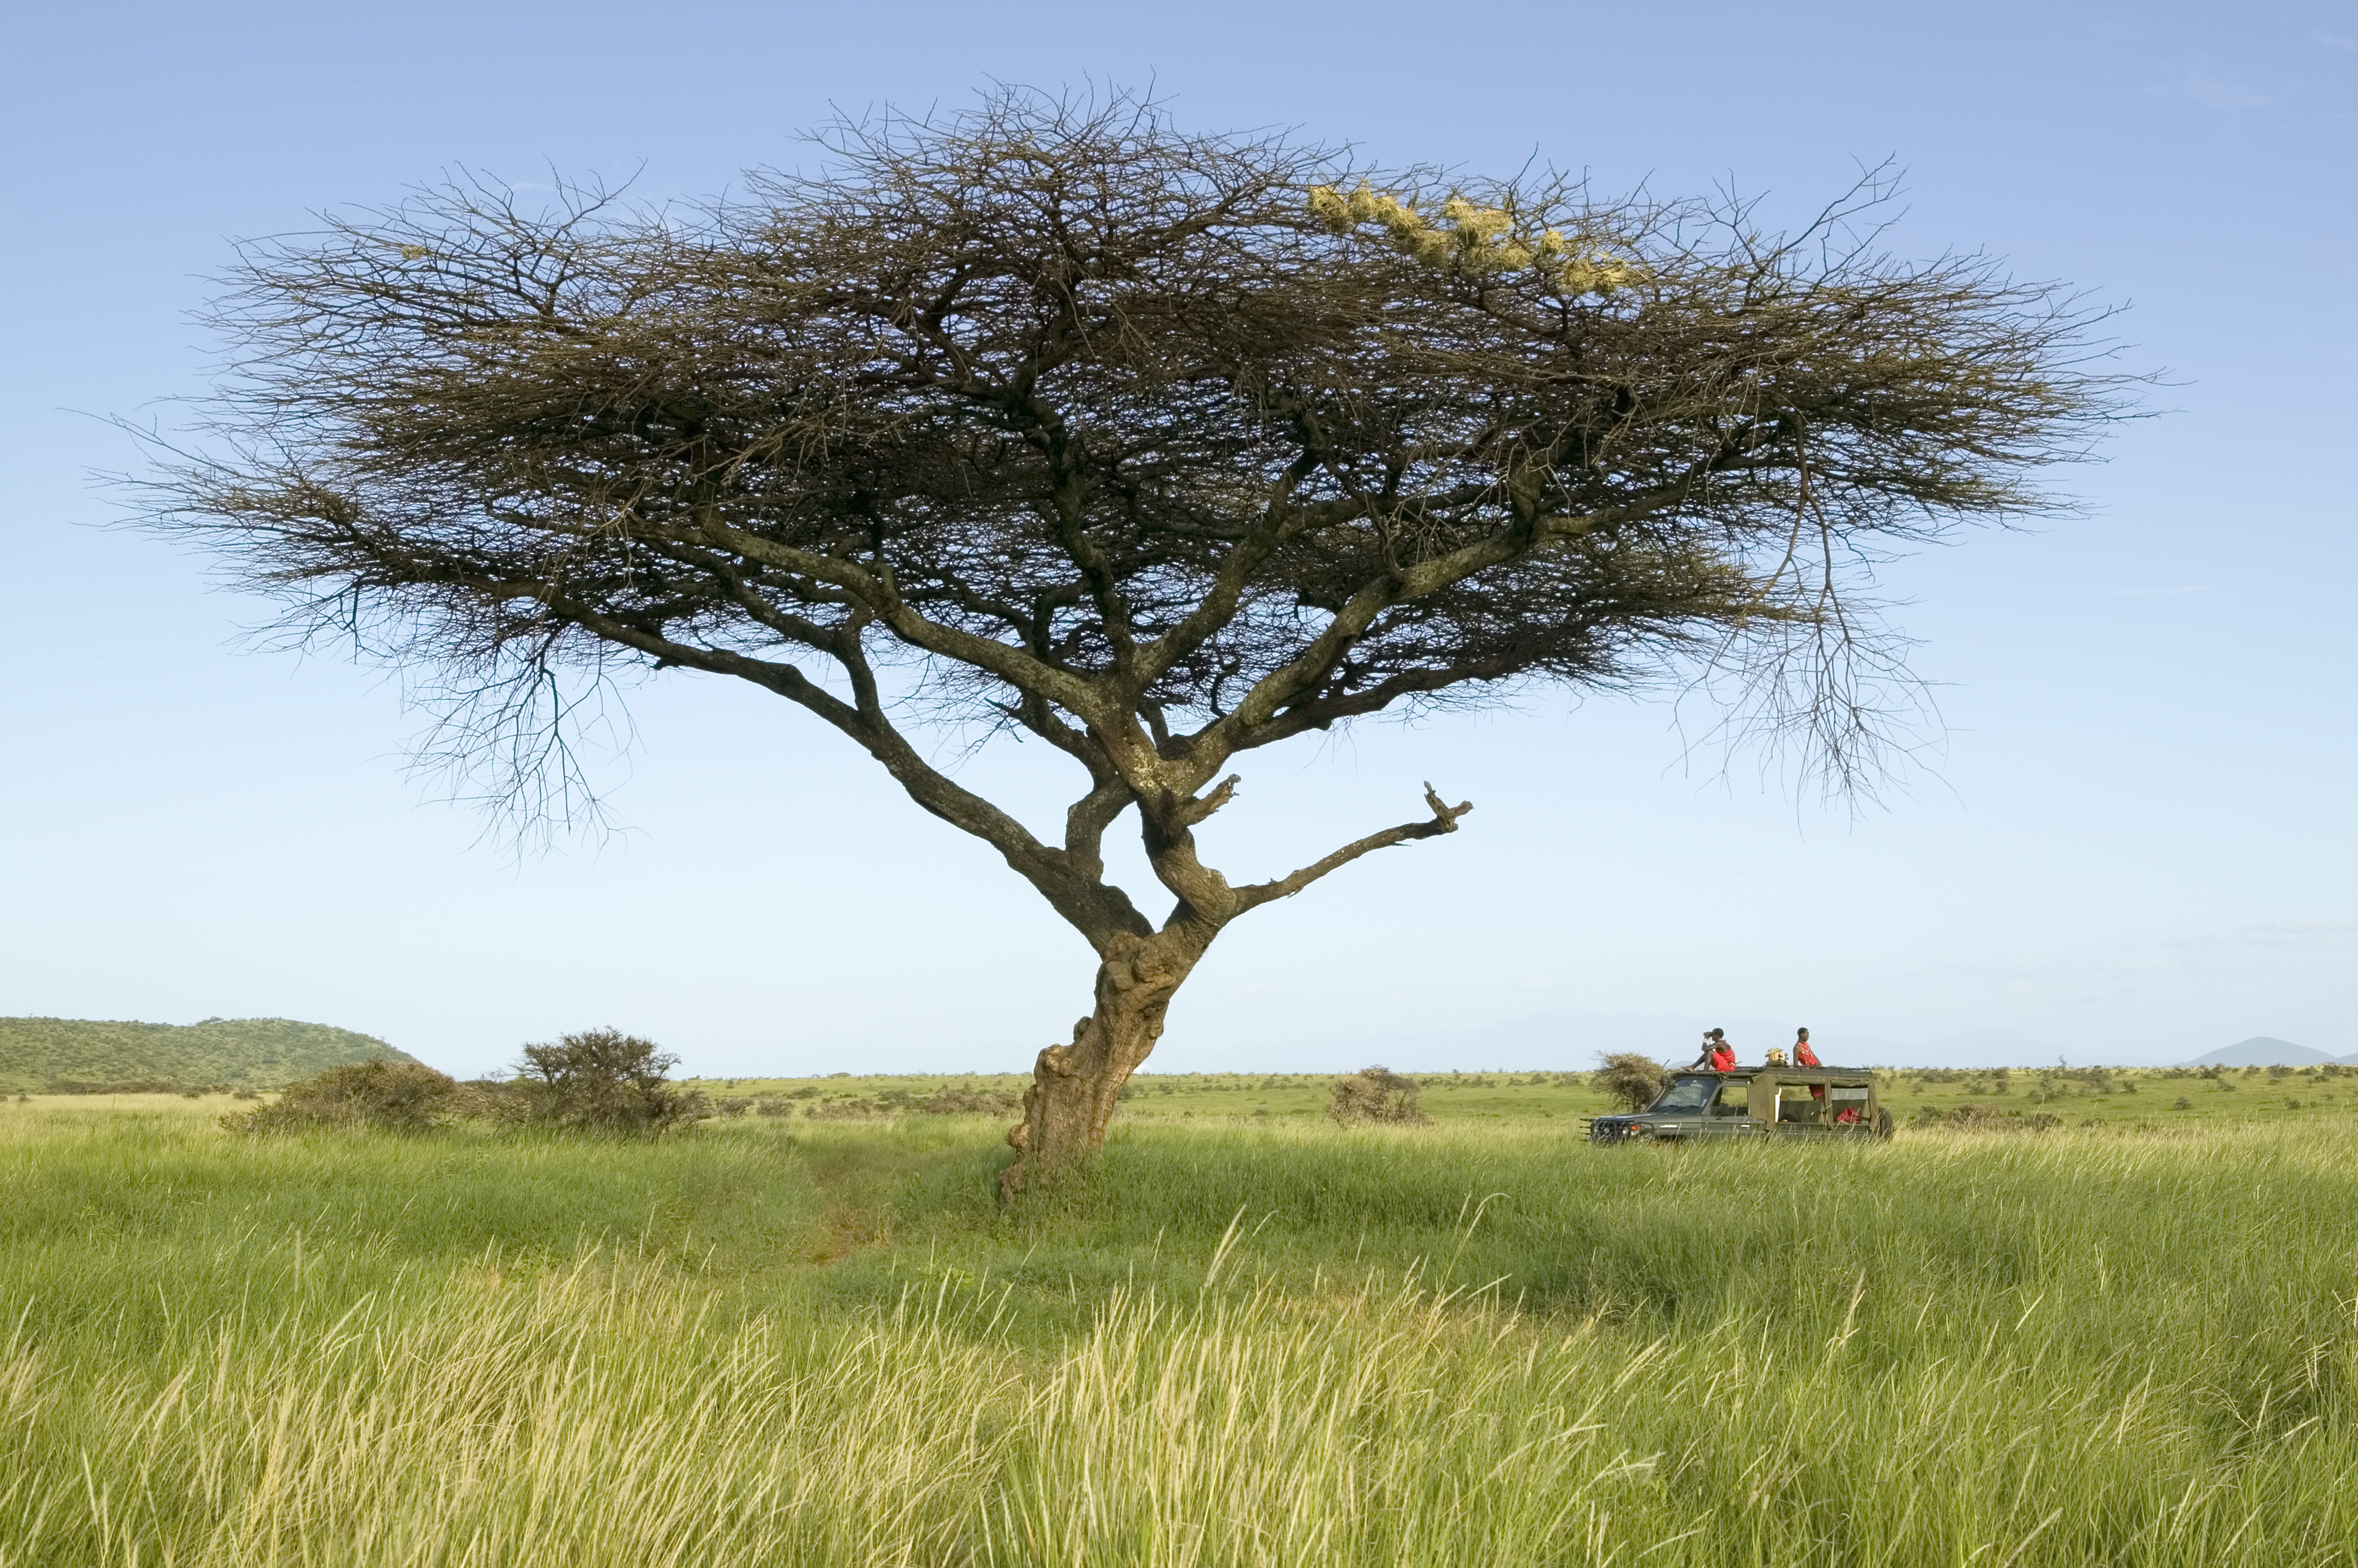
1156 447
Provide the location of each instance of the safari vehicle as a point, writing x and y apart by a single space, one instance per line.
1772 1101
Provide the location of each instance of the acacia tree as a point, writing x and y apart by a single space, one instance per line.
1157 447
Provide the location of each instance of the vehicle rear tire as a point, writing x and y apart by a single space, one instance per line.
1882 1122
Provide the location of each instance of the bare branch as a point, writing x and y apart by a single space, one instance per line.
1443 821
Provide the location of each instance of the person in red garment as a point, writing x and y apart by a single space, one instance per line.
1717 1054
1805 1057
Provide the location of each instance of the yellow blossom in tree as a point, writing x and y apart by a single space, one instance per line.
1470 238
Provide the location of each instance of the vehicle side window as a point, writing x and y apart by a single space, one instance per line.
1735 1096
1795 1103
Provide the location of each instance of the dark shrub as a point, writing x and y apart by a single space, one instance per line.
853 1108
396 1096
1990 1119
1375 1094
1633 1082
946 1102
604 1080
731 1107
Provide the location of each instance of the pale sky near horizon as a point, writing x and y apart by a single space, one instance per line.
2135 837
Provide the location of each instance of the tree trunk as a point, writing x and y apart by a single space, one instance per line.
1074 1087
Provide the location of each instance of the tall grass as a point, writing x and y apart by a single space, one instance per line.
1227 1347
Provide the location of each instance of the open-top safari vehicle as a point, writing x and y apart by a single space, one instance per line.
1768 1101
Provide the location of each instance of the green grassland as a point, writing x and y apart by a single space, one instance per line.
2140 1098
1242 1339
238 1053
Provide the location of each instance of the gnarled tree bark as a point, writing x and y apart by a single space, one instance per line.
1076 1086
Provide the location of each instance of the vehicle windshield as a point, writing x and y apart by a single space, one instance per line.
1686 1095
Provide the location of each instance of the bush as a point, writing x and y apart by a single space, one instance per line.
948 1102
395 1097
1990 1119
1632 1080
604 1080
135 1086
851 1109
1376 1094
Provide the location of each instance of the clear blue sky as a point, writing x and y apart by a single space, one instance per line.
2138 836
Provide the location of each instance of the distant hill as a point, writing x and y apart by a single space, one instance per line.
2263 1050
249 1053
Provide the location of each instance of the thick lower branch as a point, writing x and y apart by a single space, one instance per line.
1074 886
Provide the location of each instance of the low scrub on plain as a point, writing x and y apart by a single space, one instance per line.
389 1096
1376 1094
1633 1082
1972 1118
603 1080
600 1080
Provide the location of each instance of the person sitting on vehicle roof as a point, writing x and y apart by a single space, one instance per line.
1718 1055
1802 1055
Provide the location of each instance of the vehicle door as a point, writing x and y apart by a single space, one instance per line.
1851 1107
1798 1113
1730 1114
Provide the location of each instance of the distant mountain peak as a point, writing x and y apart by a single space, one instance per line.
2262 1050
